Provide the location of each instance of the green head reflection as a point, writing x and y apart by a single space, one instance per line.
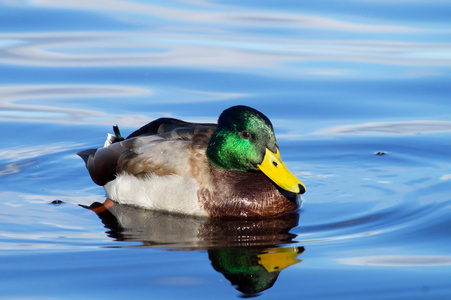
252 271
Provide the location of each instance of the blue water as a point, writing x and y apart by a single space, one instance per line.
358 93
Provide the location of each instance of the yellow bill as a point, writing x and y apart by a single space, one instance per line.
275 169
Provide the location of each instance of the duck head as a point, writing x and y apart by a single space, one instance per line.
244 140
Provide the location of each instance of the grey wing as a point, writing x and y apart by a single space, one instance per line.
162 154
163 125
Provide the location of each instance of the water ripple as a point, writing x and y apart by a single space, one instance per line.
398 261
19 103
401 220
90 49
213 14
383 128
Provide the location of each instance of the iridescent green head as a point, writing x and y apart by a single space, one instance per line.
244 141
240 140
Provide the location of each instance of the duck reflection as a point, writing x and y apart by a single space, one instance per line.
250 270
247 252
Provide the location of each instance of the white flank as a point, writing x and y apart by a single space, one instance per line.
172 193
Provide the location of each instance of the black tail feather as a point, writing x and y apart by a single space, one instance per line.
85 154
117 133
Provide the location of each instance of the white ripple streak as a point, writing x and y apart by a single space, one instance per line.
87 49
31 111
408 127
222 15
398 261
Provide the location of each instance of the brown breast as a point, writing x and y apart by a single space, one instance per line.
245 194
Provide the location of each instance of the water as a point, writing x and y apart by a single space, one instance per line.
358 93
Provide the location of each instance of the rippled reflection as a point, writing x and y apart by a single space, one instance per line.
211 35
399 261
26 103
411 127
168 49
247 252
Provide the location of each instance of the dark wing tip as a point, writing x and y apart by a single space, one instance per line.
101 164
85 154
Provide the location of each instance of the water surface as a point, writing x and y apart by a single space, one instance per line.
358 94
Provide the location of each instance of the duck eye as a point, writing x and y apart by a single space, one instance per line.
245 135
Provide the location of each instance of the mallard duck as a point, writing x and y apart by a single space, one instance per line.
232 169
